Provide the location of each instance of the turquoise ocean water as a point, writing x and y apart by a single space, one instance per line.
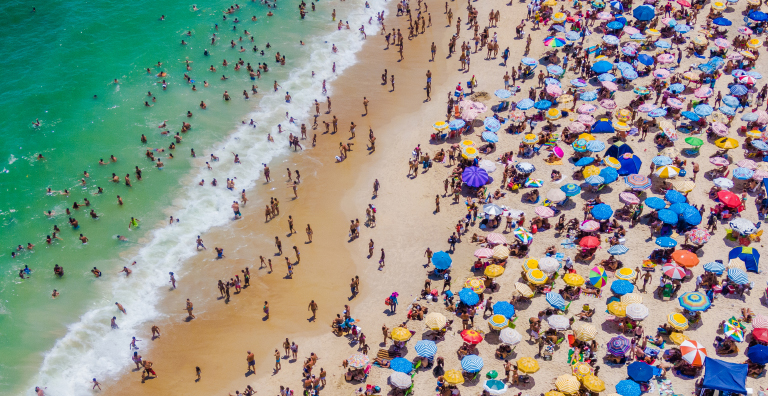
54 61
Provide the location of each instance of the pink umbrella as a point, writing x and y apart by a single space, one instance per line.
589 226
747 163
483 253
667 21
647 107
747 80
744 30
661 73
673 271
722 43
719 161
586 108
703 92
675 103
558 152
610 85
554 90
629 198
760 174
605 16
517 116
586 119
630 30
608 103
720 129
735 56
544 212
496 239
762 117
666 58
576 127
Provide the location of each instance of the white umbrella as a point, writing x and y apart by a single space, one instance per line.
556 195
400 380
637 311
488 166
549 264
510 336
558 322
493 209
723 182
742 226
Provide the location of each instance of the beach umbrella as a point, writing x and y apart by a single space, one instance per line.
661 160
673 271
597 277
573 279
640 371
490 137
441 260
729 199
554 42
612 163
629 51
589 242
475 284
637 182
454 377
731 101
754 43
666 242
602 67
637 311
742 226
472 363
738 90
722 22
488 166
556 300
661 73
525 167
743 173
663 44
637 36
619 345
738 276
400 380
668 216
440 125
733 332
502 93
587 119
617 250
602 211
510 336
641 91
703 110
400 334
576 127
542 105
580 145
358 360
401 365
758 16
760 145
725 183
495 387
536 276
426 348
678 338
595 146
493 270
727 110
471 336
468 296
588 96
500 253
456 124
585 332
527 365
667 171
760 322
579 83
693 352
631 298
581 370
567 383
675 197
474 176
492 209
593 383
694 301
530 264
747 163
556 195
523 235
589 226
630 164
622 287
610 39
685 258
698 236
571 189
584 161
558 322
549 265
677 321
525 104
530 138
606 77
469 153
682 28
644 13
617 308
483 253
629 198
715 267
628 388
679 207
758 354
626 273
655 203
435 320
504 308
517 116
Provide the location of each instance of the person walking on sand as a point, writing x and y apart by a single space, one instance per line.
189 309
250 358
279 246
437 203
376 186
277 361
291 231
381 260
428 254
309 233
385 331
313 307
266 309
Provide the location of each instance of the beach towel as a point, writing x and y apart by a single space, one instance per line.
558 162
573 359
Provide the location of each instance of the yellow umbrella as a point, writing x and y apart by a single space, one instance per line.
558 17
611 162
678 338
581 370
718 5
453 377
524 290
549 3
400 334
593 383
528 365
554 114
536 276
466 143
440 125
573 279
626 273
476 284
590 170
530 264
469 153
667 171
618 308
691 75
652 32
754 43
678 321
567 383
500 252
435 320
684 186
530 139
748 54
623 115
727 143
699 40
632 298
585 332
554 393
494 271
565 99
621 126
587 136
754 133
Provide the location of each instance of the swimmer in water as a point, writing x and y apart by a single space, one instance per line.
36 123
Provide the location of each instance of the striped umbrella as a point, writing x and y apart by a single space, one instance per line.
528 365
632 298
500 252
581 370
504 309
400 380
483 253
554 393
523 235
617 250
637 182
715 267
678 321
694 301
358 360
667 171
544 212
530 264
593 383
589 226
530 138
558 322
573 279
524 289
661 160
571 189
510 336
454 377
617 308
612 162
472 363
567 383
626 273
426 348
637 311
693 352
760 322
493 271
496 239
738 276
400 334
734 332
556 300
435 320
597 277
498 322
673 271
585 332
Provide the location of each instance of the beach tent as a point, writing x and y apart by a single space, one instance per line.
723 376
750 256
602 126
630 164
617 149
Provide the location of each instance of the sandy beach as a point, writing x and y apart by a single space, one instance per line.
331 194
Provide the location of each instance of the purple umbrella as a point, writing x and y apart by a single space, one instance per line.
474 176
618 346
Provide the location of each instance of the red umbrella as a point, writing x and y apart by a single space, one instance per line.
471 336
760 335
729 199
589 242
684 3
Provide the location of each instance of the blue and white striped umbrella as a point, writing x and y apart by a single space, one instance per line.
760 145
525 104
588 96
555 69
661 160
502 93
552 81
663 44
739 90
572 36
472 363
738 276
676 88
743 173
637 36
529 61
727 110
624 66
703 110
490 137
715 267
595 146
610 39
492 124
426 348
606 77
558 28
617 250
525 167
595 180
660 112
730 100
556 300
755 74
681 28
456 124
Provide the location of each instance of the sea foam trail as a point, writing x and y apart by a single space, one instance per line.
90 347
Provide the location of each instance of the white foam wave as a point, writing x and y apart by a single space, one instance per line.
90 347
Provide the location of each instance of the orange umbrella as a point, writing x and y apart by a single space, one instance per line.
685 258
472 336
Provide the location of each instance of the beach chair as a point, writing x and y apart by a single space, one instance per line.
692 151
409 390
667 291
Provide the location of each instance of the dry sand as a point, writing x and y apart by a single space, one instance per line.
331 194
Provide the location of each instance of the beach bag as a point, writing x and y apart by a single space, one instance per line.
388 301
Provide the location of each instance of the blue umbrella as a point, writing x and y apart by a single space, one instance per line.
559 28
584 161
579 83
731 100
749 117
706 68
668 216
682 28
629 74
617 250
602 66
588 96
666 242
676 88
525 167
722 22
675 196
645 59
663 44
622 287
628 388
441 260
644 13
595 146
504 309
401 365
755 74
738 276
739 90
655 203
690 115
630 165
492 124
758 16
703 110
468 296
727 110
640 371
692 216
615 25
525 104
602 126
609 174
661 160
679 207
555 69
616 5
456 124
556 300
760 145
570 189
715 267
595 180
426 348
542 104
490 137
758 354
609 39
602 211
743 173
606 77
738 73
637 36
474 176
502 93
472 363
660 112
572 36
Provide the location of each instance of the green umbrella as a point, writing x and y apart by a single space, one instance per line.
492 374
694 141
